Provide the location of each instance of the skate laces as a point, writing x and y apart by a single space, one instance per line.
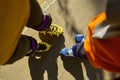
43 47
53 30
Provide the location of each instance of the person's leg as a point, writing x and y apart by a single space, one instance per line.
77 50
37 19
80 37
24 45
42 21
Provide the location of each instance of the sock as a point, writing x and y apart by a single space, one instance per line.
45 23
74 49
80 52
33 45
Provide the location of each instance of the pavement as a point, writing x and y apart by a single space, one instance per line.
73 16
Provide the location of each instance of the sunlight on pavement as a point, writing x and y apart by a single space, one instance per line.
40 1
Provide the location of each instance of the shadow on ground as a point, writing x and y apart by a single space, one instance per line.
69 12
69 20
73 66
46 61
99 5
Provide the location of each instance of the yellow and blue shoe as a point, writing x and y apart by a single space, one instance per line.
53 30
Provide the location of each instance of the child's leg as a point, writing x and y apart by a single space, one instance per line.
80 52
77 50
41 21
37 19
24 45
27 46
